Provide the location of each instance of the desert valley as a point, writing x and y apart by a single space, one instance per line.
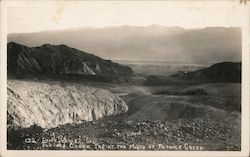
61 97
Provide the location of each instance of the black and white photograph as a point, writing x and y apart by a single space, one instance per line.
124 75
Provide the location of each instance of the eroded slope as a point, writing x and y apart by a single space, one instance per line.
49 104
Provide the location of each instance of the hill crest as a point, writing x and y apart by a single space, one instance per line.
59 60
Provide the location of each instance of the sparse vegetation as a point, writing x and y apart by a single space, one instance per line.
131 135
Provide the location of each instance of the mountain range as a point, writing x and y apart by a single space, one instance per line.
148 43
61 61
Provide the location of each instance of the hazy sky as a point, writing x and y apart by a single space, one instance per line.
44 15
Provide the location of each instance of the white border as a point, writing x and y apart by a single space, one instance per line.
245 102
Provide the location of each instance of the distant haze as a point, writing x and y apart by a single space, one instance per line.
25 17
145 43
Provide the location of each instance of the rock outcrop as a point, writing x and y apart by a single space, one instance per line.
50 104
59 60
219 72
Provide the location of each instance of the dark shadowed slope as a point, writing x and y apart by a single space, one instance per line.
220 72
59 60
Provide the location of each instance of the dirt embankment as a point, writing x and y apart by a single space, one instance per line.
50 104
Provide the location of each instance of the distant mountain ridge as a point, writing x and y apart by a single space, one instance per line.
57 60
154 42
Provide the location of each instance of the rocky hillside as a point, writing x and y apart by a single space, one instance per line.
220 72
49 104
59 60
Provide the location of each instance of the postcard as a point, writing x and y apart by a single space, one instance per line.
125 78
